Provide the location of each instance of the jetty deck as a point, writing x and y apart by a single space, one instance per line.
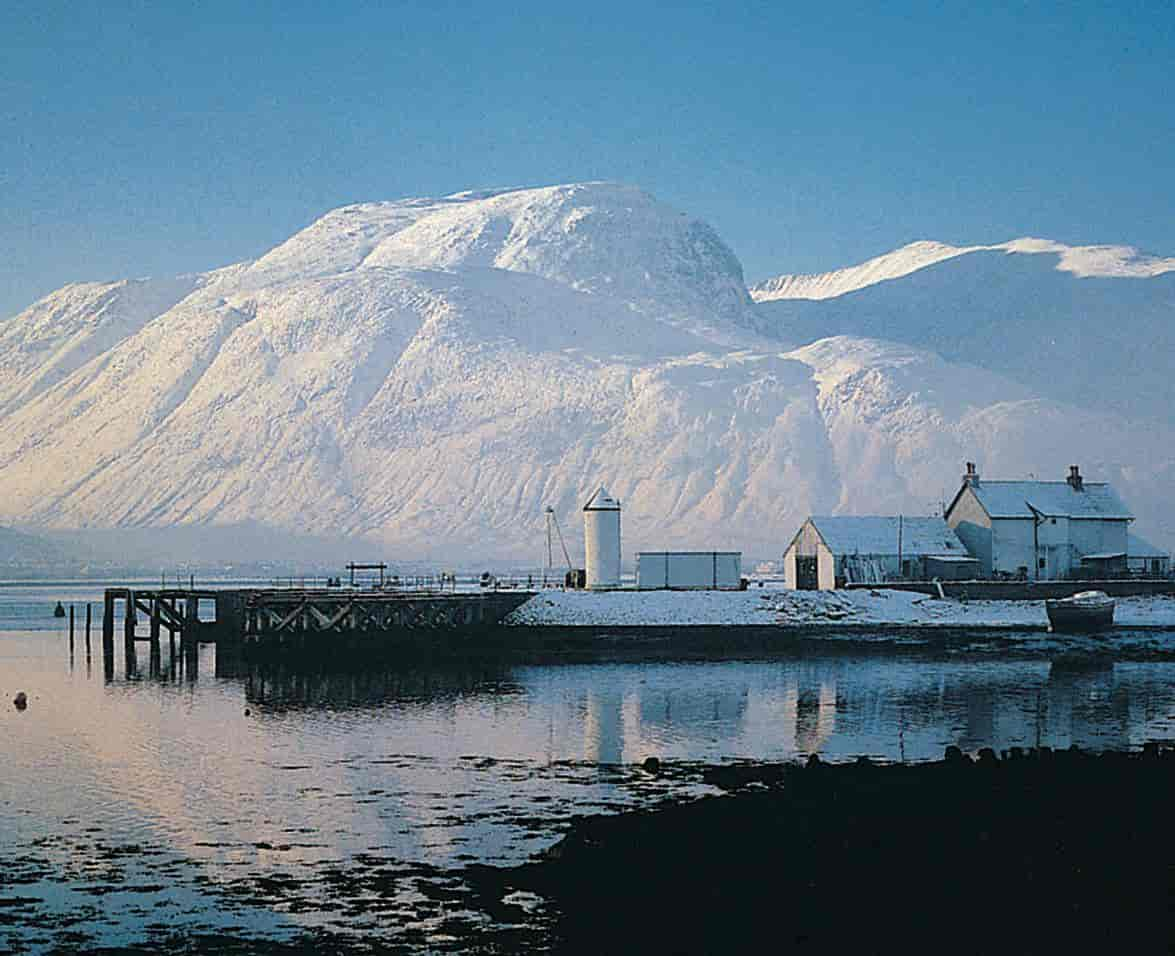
305 619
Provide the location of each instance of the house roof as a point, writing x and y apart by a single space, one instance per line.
1055 499
878 534
1137 547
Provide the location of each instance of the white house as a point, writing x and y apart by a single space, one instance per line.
831 551
1041 530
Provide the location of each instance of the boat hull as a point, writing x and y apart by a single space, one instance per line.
1064 617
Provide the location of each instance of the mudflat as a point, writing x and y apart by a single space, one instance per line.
1039 851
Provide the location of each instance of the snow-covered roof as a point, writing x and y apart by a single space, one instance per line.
878 534
1137 547
1055 499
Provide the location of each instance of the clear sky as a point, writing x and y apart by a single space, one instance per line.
157 138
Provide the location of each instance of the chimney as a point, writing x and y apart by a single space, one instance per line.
971 479
1075 480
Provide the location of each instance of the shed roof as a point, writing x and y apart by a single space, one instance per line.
1056 499
878 534
1137 547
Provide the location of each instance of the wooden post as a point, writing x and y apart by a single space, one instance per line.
153 665
88 616
108 635
71 633
155 619
128 635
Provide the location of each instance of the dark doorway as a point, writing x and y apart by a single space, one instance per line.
806 575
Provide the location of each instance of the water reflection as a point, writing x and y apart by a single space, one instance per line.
287 687
242 775
839 705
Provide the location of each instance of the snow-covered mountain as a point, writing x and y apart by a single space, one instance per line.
430 374
1122 262
1092 326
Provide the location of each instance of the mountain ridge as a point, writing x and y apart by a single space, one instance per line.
1097 261
429 375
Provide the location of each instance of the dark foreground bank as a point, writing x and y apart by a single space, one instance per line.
1036 852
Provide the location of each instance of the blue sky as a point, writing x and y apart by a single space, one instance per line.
156 138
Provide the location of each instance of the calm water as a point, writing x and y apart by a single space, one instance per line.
268 805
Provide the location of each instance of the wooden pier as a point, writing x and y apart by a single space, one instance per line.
301 619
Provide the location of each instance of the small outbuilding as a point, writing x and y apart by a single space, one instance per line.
689 570
831 551
1144 560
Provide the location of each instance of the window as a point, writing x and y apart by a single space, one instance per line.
1052 520
1041 563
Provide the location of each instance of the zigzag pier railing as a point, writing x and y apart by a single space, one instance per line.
297 619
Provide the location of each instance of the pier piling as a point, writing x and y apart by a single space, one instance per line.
108 635
128 636
88 615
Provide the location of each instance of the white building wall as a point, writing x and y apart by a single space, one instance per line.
1053 548
825 568
1096 536
689 569
601 528
789 567
730 569
971 523
1011 545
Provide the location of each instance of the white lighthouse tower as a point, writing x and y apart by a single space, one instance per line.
601 532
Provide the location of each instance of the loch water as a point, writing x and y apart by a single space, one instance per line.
260 807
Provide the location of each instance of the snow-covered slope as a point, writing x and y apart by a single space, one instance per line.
1090 326
1082 261
430 374
828 285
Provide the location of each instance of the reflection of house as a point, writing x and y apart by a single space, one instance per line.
1041 529
829 552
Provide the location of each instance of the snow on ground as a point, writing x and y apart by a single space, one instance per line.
802 609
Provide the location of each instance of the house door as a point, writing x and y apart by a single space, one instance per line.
807 578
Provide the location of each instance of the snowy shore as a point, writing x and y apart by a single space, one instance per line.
764 606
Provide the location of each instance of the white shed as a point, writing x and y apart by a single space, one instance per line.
831 551
696 570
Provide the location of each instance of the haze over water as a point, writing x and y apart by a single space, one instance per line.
265 804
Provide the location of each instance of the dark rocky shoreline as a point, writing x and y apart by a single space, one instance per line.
1034 852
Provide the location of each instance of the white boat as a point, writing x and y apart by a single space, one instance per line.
1084 611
